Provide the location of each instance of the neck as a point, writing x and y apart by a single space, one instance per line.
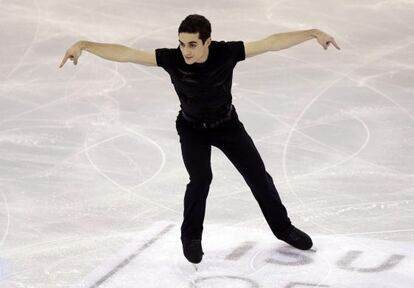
204 58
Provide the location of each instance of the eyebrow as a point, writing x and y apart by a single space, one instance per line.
191 42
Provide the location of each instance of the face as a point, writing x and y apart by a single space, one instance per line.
192 48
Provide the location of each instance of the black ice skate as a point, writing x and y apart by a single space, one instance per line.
192 250
296 238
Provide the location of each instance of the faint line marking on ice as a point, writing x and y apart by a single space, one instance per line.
30 45
131 257
251 264
42 106
289 136
347 158
350 157
391 100
67 96
363 81
160 150
343 75
374 232
252 283
295 284
119 185
6 232
299 118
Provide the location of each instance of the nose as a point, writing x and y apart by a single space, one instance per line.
186 52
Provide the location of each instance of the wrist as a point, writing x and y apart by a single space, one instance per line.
82 44
314 32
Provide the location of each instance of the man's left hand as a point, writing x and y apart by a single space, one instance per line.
325 40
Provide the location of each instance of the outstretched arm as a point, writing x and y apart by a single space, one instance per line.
113 52
282 41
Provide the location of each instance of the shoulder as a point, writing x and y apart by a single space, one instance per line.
227 44
165 56
235 49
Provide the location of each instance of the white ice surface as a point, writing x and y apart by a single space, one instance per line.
89 156
247 257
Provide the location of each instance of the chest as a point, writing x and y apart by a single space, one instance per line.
211 75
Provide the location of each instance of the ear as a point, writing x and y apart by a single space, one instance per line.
208 42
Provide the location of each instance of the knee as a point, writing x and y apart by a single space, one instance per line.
203 180
198 188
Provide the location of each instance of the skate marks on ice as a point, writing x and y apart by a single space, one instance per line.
248 258
125 257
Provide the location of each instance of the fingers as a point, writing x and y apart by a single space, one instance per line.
65 58
324 43
334 44
70 57
327 42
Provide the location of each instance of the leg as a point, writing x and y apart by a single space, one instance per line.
239 148
196 155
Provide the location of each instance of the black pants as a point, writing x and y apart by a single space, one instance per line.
231 138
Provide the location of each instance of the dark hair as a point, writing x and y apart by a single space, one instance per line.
196 23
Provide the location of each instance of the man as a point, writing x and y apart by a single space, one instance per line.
201 71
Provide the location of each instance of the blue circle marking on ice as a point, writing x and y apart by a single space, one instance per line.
4 269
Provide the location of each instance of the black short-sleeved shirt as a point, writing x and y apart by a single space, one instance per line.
204 89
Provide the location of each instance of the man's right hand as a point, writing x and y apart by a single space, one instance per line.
73 53
108 51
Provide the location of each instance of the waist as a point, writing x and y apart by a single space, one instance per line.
207 124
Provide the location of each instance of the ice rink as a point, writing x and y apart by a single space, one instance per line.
92 179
